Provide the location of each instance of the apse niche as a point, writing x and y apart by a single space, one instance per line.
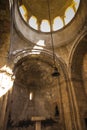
35 98
37 15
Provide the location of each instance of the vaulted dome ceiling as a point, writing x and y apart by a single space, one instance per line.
30 22
38 72
39 8
36 13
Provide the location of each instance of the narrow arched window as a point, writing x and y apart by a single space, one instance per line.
69 14
57 24
45 26
33 22
23 12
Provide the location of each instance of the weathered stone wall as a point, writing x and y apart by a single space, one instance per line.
78 78
85 72
4 48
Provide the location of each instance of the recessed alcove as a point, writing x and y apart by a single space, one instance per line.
35 95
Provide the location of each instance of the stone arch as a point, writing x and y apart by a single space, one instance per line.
59 88
77 66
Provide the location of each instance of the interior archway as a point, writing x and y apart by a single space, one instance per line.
39 95
79 77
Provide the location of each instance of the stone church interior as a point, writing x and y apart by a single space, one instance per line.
43 65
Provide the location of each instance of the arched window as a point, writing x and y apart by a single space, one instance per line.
69 14
77 2
23 12
30 96
33 22
58 24
45 26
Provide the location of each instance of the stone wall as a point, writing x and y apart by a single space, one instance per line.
78 73
4 48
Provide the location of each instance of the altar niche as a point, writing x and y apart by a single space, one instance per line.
35 123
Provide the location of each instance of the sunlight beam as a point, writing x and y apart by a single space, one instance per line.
41 43
6 80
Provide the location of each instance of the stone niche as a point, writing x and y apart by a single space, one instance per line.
35 100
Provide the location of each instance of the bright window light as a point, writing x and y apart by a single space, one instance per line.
41 43
6 69
77 2
30 96
45 26
58 24
69 14
6 80
23 12
33 22
38 47
36 50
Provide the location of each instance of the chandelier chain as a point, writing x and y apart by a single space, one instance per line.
49 13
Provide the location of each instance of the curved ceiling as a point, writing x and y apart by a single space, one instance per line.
38 73
39 13
39 8
61 37
35 86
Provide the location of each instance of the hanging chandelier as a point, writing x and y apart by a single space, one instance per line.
55 72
